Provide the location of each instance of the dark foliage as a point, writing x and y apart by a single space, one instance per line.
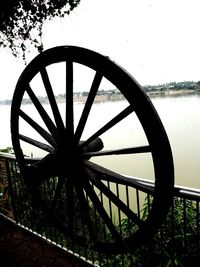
21 21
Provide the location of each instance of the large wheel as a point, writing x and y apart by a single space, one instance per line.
75 158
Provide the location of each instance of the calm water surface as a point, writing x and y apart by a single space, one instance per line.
180 116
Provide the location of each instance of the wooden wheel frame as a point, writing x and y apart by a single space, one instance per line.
69 158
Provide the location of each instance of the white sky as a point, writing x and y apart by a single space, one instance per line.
157 41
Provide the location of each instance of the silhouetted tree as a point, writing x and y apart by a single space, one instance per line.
21 21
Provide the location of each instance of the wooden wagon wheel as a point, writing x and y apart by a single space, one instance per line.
75 180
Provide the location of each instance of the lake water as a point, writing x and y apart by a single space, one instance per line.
180 116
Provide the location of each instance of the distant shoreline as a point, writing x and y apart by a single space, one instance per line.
173 92
112 97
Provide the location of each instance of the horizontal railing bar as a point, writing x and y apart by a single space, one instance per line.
7 156
179 191
11 156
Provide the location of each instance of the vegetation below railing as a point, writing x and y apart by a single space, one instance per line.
5 198
176 244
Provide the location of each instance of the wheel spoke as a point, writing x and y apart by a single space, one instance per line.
114 177
127 111
69 101
102 212
58 190
52 101
88 105
94 178
38 144
47 120
69 188
85 211
121 151
38 128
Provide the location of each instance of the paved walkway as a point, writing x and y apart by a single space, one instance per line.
20 248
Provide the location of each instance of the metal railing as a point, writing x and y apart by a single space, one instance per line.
176 244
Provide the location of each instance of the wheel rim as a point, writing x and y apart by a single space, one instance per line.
62 139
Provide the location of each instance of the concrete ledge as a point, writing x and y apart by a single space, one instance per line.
21 248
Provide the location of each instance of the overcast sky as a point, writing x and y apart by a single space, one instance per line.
157 41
